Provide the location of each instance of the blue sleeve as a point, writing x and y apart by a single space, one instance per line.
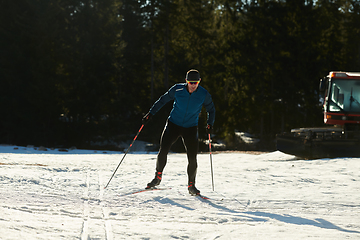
210 108
167 97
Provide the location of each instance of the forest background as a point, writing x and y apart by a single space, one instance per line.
75 72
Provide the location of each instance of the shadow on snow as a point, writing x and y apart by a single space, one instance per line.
259 216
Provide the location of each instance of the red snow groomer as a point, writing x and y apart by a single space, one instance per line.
341 95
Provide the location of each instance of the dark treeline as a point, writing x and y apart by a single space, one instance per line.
76 71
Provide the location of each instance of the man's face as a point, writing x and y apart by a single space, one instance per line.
192 85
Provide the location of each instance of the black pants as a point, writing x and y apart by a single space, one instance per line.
190 139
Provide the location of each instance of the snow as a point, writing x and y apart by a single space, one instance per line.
61 195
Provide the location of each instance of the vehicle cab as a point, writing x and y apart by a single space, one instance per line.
341 98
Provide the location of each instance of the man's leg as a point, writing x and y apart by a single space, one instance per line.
190 139
168 138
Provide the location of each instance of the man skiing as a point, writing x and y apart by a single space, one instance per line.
188 99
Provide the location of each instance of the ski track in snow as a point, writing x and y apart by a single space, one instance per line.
102 216
269 196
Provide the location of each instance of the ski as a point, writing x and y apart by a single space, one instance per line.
200 196
196 195
149 189
144 190
203 197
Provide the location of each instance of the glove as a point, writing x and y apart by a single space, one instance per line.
209 129
146 118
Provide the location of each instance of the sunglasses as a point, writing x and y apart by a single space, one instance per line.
193 82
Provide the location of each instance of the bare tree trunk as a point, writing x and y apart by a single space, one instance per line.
166 43
152 53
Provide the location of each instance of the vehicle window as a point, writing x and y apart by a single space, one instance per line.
345 96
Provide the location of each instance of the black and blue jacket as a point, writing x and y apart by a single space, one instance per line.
186 107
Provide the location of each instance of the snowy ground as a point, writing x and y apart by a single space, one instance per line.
59 195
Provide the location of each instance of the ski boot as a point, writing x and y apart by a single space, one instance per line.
192 189
156 181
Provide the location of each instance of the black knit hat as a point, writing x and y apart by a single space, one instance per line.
193 75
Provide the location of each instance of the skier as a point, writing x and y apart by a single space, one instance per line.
188 98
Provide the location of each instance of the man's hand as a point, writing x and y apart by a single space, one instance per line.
209 129
146 118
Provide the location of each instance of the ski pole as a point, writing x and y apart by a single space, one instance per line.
212 174
125 154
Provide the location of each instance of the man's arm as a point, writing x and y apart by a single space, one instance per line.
167 97
210 108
